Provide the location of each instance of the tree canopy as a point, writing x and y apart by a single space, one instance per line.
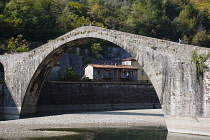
16 45
42 20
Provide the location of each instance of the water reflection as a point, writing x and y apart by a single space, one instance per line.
140 133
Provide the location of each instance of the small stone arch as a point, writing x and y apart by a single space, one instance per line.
1 72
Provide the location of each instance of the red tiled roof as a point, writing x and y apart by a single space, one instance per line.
113 66
129 59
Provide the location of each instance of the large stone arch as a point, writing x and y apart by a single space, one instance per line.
143 54
35 85
168 65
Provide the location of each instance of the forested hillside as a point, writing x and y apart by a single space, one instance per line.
202 4
42 20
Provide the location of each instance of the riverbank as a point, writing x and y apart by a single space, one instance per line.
24 128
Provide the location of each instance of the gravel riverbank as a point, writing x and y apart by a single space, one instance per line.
24 128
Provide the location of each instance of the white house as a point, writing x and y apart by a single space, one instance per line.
114 72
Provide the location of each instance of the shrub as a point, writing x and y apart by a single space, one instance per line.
16 45
70 75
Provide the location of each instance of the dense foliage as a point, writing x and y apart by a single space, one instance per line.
96 49
15 45
70 75
41 20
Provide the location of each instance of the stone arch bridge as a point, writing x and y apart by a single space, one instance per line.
185 102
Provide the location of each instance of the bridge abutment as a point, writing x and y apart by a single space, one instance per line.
206 90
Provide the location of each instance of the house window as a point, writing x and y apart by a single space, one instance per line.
142 72
99 72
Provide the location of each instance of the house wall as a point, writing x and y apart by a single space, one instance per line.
95 74
113 74
141 76
135 75
105 74
126 63
89 72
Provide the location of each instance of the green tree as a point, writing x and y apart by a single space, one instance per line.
70 75
77 8
41 20
16 45
200 39
203 18
144 17
5 27
32 18
188 20
93 3
73 16
2 5
96 50
186 40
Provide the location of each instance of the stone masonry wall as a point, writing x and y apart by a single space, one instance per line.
206 98
59 93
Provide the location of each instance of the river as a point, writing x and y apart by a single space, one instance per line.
147 124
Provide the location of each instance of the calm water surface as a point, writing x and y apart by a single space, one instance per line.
140 133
